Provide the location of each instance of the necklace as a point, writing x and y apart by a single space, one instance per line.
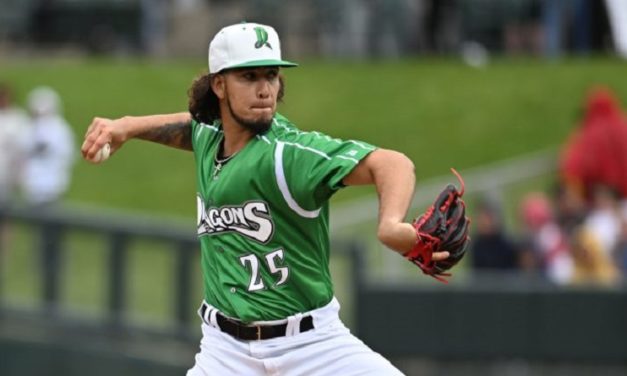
219 163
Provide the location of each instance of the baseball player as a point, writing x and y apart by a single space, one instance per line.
263 190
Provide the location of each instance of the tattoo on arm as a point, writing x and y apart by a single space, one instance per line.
178 135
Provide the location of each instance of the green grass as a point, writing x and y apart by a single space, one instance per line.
19 266
439 112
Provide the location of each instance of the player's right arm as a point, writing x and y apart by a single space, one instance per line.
169 129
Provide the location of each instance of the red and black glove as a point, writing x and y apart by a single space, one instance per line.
443 227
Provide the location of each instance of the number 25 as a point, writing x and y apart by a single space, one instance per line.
256 283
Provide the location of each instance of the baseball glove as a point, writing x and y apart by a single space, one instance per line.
443 227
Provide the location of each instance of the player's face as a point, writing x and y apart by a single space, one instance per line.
251 96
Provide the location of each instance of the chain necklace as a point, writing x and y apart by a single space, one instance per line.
219 163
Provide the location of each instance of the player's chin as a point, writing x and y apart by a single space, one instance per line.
261 117
258 125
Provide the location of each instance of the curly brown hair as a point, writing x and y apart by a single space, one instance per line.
203 104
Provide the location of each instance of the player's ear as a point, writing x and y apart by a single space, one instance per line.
218 85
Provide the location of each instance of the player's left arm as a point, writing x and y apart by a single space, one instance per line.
393 175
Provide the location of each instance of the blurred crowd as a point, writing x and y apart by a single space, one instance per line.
577 233
37 148
330 28
37 153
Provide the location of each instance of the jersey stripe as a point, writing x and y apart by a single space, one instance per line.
361 145
280 178
320 153
213 128
287 129
337 141
202 127
318 134
348 158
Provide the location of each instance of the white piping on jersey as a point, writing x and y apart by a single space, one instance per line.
198 132
361 145
337 141
318 134
286 128
213 128
280 178
265 139
320 153
348 158
203 126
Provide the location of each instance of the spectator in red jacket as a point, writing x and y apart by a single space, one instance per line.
596 152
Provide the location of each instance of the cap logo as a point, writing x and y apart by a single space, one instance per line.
262 38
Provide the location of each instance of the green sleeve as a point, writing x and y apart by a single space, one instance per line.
315 164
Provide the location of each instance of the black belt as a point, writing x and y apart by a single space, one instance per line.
245 332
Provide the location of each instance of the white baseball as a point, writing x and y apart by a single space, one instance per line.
102 154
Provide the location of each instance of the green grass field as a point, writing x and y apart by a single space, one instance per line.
441 113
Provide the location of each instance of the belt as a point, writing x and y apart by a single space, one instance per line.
245 332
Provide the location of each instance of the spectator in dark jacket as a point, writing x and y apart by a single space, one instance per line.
491 247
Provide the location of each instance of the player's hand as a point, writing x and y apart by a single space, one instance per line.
100 132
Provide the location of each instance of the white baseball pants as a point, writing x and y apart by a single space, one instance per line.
328 349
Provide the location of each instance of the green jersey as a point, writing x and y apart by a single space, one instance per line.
263 218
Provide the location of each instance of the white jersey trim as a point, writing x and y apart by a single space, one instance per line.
278 124
282 182
316 151
355 161
203 126
320 135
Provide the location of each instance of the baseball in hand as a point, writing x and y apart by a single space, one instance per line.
102 154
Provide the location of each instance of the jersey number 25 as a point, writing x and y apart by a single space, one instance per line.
252 262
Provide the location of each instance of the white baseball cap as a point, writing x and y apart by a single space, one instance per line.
245 45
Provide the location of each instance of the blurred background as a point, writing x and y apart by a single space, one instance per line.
99 270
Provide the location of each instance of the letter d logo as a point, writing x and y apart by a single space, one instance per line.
262 38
